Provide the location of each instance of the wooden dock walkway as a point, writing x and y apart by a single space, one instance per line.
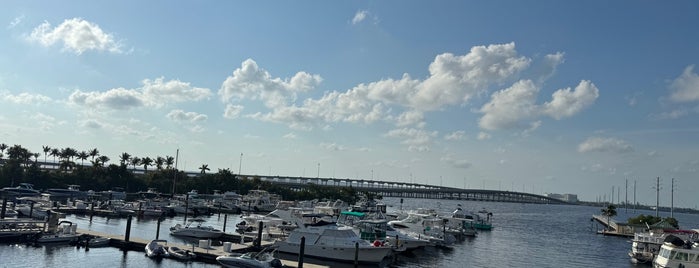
613 228
207 255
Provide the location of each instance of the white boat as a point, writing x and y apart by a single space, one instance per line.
260 259
258 201
677 253
63 234
23 189
424 226
157 249
73 191
181 254
646 245
334 243
97 241
194 228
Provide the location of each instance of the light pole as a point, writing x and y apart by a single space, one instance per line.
240 164
372 174
318 176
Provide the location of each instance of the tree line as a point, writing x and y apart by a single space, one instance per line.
20 165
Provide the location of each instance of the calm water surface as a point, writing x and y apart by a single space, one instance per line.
525 235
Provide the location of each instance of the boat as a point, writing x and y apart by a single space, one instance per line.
477 221
181 254
676 252
332 242
261 259
157 249
73 191
194 228
63 234
646 245
21 190
258 201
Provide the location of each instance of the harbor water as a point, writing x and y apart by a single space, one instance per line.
524 235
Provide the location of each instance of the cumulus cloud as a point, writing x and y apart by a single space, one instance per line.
455 136
77 36
91 123
186 117
417 139
15 22
601 144
457 163
483 136
24 98
252 82
154 93
515 107
332 147
232 111
289 135
360 16
685 88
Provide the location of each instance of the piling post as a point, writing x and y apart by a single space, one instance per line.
301 250
186 206
225 221
31 209
157 232
4 205
259 234
128 228
356 254
219 210
92 210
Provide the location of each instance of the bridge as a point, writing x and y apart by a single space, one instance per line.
408 190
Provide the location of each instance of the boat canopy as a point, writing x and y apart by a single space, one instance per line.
353 213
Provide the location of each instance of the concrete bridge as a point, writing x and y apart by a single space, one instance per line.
408 190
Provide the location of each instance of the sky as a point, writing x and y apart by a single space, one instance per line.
575 97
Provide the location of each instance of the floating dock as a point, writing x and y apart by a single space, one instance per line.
613 228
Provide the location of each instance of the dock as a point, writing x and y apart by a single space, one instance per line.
613 228
204 254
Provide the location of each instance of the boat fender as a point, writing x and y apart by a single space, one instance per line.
377 243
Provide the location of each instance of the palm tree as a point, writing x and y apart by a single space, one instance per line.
55 152
82 156
47 150
169 161
204 168
124 158
147 161
2 149
94 152
102 159
609 211
135 161
159 162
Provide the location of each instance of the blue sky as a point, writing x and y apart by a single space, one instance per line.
535 96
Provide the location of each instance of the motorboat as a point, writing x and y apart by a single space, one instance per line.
157 249
258 201
676 252
333 242
646 245
476 221
21 190
262 259
73 191
181 254
62 234
194 228
90 241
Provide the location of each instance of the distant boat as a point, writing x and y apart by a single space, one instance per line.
194 228
181 254
73 191
157 249
260 259
23 189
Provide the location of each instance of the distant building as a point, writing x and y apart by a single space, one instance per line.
570 198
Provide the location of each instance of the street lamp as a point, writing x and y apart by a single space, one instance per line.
318 176
240 165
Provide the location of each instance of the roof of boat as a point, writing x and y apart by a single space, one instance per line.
353 213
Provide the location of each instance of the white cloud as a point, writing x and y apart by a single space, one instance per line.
685 88
457 163
91 123
24 98
566 103
254 83
417 139
410 118
77 36
15 22
508 108
674 114
600 144
483 136
455 136
332 147
359 16
154 93
187 117
289 135
232 111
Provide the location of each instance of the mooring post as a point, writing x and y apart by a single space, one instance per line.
259 234
128 229
92 210
219 211
157 232
356 254
2 212
31 209
225 221
186 206
301 250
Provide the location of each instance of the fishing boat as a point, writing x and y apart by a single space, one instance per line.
63 234
646 245
181 254
23 189
261 259
73 191
477 221
194 228
157 249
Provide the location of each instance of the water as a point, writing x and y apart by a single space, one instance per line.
525 235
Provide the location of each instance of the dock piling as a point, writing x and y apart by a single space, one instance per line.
259 235
301 251
128 229
157 230
356 254
4 205
225 221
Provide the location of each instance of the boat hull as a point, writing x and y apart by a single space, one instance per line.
337 253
